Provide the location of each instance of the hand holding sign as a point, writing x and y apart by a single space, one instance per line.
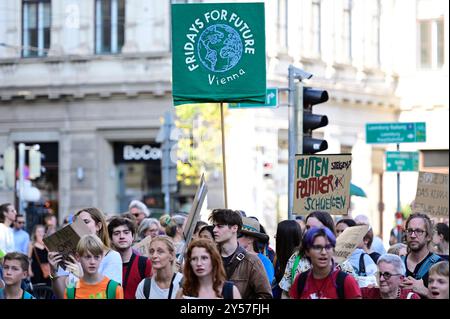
65 240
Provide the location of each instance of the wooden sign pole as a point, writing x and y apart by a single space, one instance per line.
222 126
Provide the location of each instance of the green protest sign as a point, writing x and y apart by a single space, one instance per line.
322 182
219 53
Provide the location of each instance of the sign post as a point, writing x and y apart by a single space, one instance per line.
389 133
397 132
402 161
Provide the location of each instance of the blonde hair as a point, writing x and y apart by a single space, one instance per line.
440 268
90 244
166 240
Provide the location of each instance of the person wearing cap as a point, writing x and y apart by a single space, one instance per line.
139 210
252 239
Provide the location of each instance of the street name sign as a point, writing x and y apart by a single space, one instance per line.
402 161
271 101
385 133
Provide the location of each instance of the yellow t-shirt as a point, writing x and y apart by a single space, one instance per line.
85 290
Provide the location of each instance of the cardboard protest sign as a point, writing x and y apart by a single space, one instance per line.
66 239
322 182
143 246
194 213
346 243
432 195
218 53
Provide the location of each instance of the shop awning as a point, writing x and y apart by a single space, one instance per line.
356 191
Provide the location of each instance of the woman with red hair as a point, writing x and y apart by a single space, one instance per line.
204 274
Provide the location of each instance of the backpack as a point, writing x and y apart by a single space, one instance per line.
142 263
362 266
110 290
227 290
148 282
339 283
425 267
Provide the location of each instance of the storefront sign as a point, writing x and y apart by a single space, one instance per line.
132 152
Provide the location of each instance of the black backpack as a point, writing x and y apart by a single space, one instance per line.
339 283
227 290
362 266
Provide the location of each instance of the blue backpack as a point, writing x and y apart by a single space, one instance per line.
425 267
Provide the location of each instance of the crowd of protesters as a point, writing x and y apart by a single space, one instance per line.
228 258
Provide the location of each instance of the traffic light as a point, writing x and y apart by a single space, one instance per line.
9 167
34 160
312 121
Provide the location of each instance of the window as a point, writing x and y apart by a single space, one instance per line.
109 26
431 43
36 27
283 23
316 28
375 34
347 31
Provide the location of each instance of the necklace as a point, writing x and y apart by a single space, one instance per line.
399 291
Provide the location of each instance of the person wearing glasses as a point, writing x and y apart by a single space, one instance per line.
418 261
391 272
139 210
323 280
21 237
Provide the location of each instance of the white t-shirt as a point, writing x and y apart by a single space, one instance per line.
111 267
158 293
6 239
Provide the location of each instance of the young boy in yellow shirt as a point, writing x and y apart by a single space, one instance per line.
92 284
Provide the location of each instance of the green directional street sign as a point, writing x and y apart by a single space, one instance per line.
402 161
271 101
385 133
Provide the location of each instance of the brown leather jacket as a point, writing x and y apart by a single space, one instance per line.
250 277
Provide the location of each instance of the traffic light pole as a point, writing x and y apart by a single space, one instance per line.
21 178
295 126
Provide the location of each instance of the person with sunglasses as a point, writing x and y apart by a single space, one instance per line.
21 237
323 280
419 234
391 272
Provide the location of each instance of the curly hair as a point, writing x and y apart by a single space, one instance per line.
191 284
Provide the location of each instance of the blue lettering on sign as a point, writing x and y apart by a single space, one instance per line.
325 203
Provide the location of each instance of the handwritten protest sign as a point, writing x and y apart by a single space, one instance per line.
432 195
66 239
322 182
143 246
346 243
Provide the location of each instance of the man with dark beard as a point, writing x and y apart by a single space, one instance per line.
419 232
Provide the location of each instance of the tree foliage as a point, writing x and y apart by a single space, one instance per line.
199 147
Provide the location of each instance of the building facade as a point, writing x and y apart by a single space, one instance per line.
91 79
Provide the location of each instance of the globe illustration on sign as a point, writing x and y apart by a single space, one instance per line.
219 48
